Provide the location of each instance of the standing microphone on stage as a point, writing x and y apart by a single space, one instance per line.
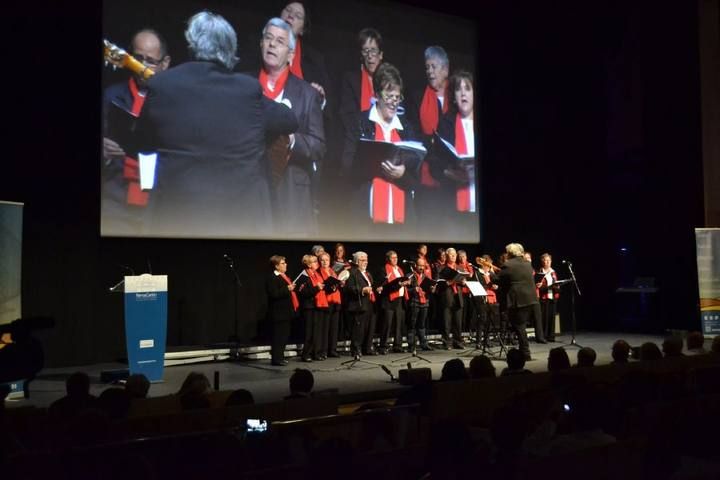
228 259
566 262
408 262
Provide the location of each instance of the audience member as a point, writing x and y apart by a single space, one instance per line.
240 397
115 402
453 370
695 343
558 359
650 351
586 357
620 352
301 384
78 397
715 348
672 347
516 363
137 386
482 367
195 382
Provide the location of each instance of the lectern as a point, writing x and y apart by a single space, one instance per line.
146 324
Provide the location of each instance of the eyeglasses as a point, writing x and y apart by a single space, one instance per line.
149 61
391 98
370 52
269 37
294 13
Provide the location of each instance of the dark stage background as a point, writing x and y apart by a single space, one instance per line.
591 143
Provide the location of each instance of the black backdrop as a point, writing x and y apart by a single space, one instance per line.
591 142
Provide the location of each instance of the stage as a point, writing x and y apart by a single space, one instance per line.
362 382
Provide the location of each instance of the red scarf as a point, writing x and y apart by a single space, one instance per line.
468 268
334 297
279 83
421 293
383 190
293 295
296 65
321 300
368 277
131 167
390 275
429 111
462 196
366 89
491 296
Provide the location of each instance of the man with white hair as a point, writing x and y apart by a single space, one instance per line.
359 298
517 292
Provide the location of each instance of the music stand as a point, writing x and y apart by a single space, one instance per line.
413 354
358 359
573 320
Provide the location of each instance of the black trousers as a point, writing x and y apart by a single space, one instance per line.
333 327
417 323
393 319
518 318
538 323
362 325
280 335
452 320
548 308
313 343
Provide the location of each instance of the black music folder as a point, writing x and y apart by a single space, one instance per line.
121 128
427 284
442 156
372 153
451 275
331 283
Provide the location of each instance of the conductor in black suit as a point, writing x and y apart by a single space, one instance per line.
282 307
517 292
208 126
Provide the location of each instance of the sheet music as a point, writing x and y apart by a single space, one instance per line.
299 275
476 288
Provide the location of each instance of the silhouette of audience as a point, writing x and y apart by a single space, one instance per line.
137 385
558 359
649 351
695 343
516 363
77 398
481 367
672 347
586 357
620 352
301 384
454 370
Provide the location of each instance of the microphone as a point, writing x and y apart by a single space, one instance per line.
566 262
387 370
408 262
129 269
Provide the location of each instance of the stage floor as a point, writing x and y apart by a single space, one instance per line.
268 383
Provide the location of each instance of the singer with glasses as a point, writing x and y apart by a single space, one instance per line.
418 305
315 309
385 199
360 300
357 91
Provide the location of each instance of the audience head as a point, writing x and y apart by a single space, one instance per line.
195 383
302 381
586 357
672 346
453 370
620 351
240 397
210 37
515 359
715 348
78 385
482 367
695 341
650 351
558 359
137 385
115 402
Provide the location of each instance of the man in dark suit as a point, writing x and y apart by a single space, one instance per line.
517 292
359 299
208 126
282 307
293 204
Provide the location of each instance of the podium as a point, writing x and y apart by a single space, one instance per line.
146 324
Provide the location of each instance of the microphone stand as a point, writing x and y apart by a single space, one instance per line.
234 338
573 342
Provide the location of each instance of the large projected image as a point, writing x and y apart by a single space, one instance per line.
247 120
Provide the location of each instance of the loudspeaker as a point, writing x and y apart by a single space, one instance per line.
415 376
